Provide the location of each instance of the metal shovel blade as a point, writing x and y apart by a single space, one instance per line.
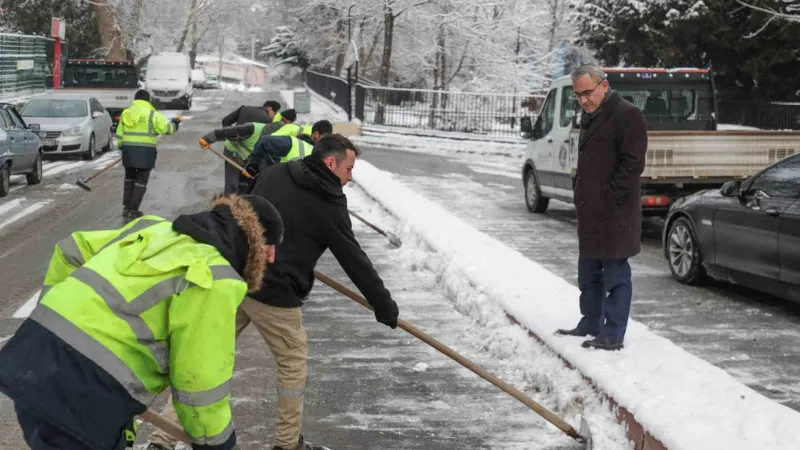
586 434
394 240
84 183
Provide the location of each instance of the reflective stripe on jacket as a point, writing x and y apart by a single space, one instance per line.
137 134
155 309
242 143
300 149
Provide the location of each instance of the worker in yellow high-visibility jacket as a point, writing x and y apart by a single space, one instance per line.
125 314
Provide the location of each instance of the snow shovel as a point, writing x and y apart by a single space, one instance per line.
166 425
86 183
584 436
394 240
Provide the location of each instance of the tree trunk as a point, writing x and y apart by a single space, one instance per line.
110 35
386 61
339 64
195 44
437 76
188 26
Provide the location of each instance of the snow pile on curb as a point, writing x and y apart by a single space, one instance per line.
497 345
426 144
680 399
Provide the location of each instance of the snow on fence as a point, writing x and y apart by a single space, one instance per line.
468 112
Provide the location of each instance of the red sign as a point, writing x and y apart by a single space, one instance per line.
58 28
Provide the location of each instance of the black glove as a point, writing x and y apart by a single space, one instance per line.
175 122
388 314
251 169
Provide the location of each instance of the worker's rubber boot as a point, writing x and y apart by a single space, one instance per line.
127 194
136 200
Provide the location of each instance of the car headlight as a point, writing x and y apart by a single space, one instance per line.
77 131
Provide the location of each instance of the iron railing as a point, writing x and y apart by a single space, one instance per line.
467 112
760 114
333 88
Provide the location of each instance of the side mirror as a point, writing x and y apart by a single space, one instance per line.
525 128
97 114
731 188
34 127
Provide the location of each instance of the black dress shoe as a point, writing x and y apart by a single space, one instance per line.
577 331
603 344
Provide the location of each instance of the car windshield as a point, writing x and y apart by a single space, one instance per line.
43 107
98 75
165 73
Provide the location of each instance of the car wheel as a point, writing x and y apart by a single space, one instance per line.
35 177
90 154
683 252
533 195
5 180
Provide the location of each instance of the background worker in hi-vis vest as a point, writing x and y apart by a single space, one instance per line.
271 150
137 136
240 140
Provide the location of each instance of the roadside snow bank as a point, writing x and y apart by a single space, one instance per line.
685 402
441 144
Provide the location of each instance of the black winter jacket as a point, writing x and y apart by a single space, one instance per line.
246 114
309 197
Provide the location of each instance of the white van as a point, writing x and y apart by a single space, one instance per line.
169 80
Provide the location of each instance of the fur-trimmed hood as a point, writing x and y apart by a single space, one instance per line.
239 227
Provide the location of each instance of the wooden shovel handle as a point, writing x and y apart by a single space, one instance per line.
514 392
104 169
167 425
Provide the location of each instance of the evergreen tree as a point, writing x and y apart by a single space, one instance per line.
751 56
33 17
284 48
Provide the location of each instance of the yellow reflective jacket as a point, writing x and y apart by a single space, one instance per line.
137 134
155 309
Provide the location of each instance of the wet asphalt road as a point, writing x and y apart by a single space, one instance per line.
366 388
753 336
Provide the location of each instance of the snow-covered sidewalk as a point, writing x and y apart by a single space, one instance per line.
683 401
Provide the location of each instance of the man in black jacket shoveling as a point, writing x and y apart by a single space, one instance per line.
308 195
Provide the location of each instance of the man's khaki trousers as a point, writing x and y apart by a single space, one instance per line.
282 330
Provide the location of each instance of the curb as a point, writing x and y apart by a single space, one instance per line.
642 440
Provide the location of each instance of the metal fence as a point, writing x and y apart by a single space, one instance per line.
467 112
763 115
333 88
25 65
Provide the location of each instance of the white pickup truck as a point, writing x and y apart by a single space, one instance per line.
685 153
112 82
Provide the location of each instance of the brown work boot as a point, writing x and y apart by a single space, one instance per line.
302 445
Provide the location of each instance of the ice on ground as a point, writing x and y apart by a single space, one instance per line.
420 367
685 402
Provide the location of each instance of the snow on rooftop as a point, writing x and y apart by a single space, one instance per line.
685 402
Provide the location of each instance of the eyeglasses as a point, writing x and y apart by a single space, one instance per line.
578 95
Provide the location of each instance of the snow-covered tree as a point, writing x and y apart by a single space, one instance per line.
284 48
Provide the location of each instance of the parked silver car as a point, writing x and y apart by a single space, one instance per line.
20 149
70 124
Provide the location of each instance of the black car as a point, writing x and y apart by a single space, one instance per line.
747 232
20 149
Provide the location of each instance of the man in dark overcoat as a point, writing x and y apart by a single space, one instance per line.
611 159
